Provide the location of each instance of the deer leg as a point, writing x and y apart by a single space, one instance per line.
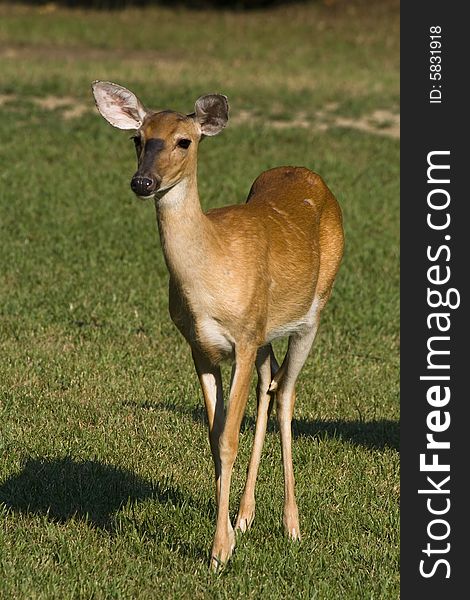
299 347
211 383
266 367
224 540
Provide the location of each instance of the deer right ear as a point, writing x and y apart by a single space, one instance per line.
211 112
118 105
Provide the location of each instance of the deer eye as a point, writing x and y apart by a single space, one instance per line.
184 143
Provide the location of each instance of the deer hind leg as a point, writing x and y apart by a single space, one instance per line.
224 540
266 366
299 347
210 379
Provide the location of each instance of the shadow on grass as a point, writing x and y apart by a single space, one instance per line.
375 435
63 489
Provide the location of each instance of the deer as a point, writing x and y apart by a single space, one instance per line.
240 277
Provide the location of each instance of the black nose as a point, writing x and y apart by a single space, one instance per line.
143 186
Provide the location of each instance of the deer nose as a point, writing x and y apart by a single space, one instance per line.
143 186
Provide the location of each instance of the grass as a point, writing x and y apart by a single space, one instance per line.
106 484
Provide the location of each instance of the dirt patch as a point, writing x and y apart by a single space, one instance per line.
68 107
54 102
4 98
380 122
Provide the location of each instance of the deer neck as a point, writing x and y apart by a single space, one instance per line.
184 231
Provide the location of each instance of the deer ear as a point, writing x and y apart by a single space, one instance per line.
211 112
118 105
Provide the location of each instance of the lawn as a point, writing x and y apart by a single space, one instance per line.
106 484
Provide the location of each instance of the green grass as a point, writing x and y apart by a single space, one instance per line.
106 484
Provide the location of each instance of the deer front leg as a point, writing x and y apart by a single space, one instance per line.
266 367
211 383
224 540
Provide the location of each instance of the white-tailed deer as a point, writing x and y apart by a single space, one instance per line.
240 277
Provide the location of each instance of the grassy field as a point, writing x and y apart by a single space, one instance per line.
106 484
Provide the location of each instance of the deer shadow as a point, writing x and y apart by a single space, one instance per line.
376 434
64 489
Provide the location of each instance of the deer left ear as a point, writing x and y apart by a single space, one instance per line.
118 105
211 112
